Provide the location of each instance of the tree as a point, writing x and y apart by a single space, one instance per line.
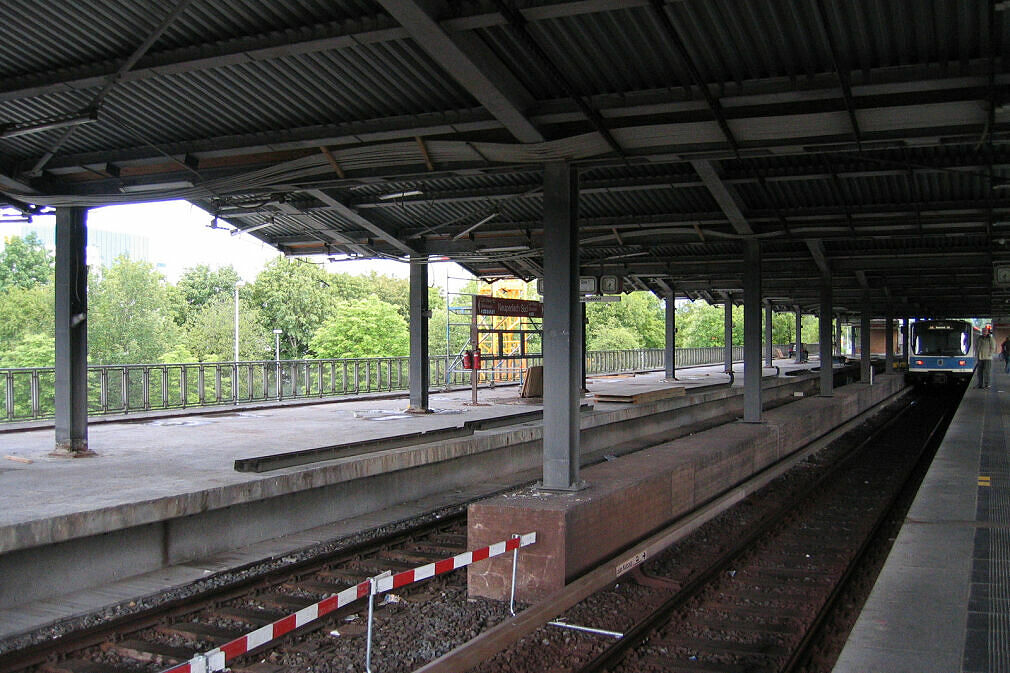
25 262
639 313
210 333
700 325
293 296
200 286
609 338
362 328
34 350
26 310
129 317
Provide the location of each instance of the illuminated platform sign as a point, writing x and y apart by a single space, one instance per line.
515 308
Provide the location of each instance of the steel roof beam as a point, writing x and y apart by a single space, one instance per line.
720 192
659 12
841 69
490 82
356 218
519 25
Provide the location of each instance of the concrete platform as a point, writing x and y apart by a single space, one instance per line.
627 498
162 504
942 601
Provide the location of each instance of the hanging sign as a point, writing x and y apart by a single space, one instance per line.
516 308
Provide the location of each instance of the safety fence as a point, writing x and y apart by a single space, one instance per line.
29 393
217 659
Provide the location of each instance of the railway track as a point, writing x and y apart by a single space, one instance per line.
750 591
171 634
717 603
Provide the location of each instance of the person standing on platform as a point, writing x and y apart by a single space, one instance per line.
984 350
1004 353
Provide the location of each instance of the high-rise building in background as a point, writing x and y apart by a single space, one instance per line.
104 246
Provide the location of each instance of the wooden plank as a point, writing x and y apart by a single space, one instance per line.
533 384
632 393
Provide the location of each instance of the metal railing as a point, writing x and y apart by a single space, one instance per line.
29 393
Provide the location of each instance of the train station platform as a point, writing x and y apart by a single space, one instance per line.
942 600
162 504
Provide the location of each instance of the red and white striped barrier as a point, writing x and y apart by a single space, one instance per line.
216 659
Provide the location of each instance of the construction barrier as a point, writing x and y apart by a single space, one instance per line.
217 659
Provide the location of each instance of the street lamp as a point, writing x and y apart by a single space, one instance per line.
277 360
239 284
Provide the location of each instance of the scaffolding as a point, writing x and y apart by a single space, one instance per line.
502 340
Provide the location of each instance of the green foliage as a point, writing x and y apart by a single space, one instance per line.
608 338
24 263
199 287
210 332
129 317
638 318
34 350
293 296
362 328
25 311
700 324
178 353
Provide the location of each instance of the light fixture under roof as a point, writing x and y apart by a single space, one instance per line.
401 195
156 186
466 231
47 124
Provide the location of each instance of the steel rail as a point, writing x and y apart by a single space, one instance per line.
617 650
503 635
801 654
75 640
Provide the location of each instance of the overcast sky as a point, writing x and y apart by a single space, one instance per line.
180 237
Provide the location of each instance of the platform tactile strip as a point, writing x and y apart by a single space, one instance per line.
987 645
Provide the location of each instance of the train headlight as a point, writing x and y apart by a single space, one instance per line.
919 362
962 362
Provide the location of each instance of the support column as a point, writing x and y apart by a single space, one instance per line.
838 335
889 343
727 335
418 366
71 334
751 332
904 338
769 346
671 336
799 335
825 329
864 339
562 331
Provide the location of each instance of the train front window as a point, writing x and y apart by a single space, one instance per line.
942 342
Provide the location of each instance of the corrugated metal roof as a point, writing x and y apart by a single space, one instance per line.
841 132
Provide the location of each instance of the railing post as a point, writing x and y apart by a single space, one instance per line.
34 393
9 392
124 389
146 380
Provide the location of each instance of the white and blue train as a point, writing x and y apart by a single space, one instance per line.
941 351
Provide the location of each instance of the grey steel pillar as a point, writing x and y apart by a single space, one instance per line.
904 338
419 314
71 334
727 335
799 335
562 331
769 346
864 340
888 343
751 332
838 335
671 336
825 329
